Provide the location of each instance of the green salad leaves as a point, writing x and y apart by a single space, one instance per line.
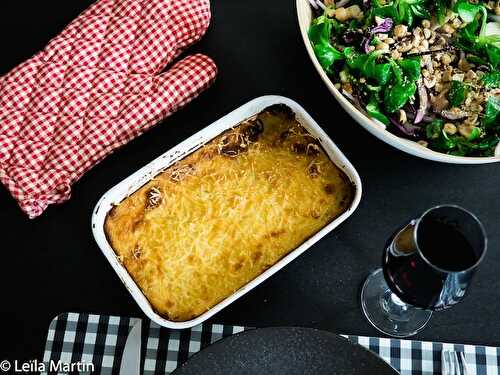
409 10
397 96
380 67
402 11
456 144
319 35
473 38
373 109
491 80
491 112
366 64
397 81
457 93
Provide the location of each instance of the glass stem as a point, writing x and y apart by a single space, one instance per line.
395 308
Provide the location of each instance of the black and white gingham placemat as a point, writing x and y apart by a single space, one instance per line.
100 339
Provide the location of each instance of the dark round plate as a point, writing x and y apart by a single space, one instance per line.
285 351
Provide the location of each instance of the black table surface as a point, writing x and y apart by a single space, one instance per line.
52 264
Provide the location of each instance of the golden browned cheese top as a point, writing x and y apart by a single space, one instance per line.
218 218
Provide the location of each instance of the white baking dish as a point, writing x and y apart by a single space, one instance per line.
141 177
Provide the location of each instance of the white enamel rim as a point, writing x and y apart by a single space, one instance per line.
305 15
142 176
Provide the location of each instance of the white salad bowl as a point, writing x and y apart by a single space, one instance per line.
305 16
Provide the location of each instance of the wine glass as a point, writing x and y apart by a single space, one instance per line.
427 265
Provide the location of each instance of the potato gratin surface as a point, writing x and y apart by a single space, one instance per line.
215 220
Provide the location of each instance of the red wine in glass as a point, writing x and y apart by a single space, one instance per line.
427 265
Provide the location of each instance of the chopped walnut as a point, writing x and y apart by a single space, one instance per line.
454 113
430 83
439 103
449 128
466 130
402 116
464 65
405 47
471 120
400 31
382 46
344 14
447 29
456 23
446 59
418 35
395 54
347 87
470 76
447 76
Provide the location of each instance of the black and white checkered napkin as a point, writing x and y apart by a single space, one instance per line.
100 339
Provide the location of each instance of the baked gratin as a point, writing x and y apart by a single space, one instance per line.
218 218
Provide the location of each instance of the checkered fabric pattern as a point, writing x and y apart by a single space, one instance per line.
424 358
93 88
100 340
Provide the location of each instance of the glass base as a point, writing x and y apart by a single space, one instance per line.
386 312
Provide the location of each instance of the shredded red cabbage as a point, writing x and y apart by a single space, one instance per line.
406 128
423 103
366 44
384 27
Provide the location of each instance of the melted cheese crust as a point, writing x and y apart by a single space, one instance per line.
215 220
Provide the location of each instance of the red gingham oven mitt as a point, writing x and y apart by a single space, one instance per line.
93 88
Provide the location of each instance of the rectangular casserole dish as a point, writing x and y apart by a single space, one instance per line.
144 175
